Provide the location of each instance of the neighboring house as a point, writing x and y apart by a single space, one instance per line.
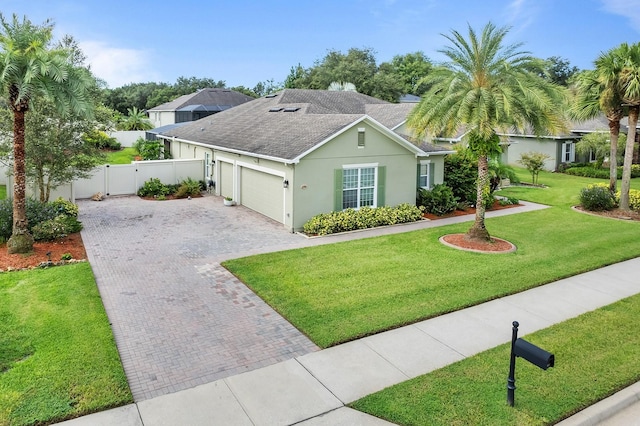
561 149
297 153
195 106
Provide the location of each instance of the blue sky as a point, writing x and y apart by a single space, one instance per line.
244 42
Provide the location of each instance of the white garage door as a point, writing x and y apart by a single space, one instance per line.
226 179
263 193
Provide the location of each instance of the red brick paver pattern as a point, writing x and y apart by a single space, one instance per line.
178 317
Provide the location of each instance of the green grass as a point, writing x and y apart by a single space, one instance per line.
395 280
3 192
58 359
124 156
596 355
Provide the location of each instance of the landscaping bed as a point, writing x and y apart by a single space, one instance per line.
70 248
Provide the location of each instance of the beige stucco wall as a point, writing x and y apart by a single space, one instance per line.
162 118
314 175
518 146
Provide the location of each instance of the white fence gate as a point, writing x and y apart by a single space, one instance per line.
124 179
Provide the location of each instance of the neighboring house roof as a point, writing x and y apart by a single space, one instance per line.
597 124
289 124
205 100
410 98
168 127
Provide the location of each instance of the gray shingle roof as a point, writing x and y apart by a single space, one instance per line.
315 116
214 99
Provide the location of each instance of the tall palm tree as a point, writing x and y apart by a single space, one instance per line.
30 68
598 91
630 90
487 87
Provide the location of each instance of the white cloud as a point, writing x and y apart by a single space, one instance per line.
625 8
119 66
520 14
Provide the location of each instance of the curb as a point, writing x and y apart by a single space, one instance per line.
605 409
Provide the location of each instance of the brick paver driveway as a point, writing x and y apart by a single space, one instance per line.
178 317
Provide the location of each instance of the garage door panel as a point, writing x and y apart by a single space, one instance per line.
263 193
226 179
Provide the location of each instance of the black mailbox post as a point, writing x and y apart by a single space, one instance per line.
530 352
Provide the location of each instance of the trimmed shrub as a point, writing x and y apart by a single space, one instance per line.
153 188
460 174
65 207
61 213
601 173
439 200
365 217
59 227
597 197
634 199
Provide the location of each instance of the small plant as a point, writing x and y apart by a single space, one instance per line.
188 188
534 162
439 200
509 201
66 256
597 197
228 199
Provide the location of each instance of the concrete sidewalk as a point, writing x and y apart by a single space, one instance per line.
313 389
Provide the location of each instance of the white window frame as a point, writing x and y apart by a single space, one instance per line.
426 164
359 188
568 156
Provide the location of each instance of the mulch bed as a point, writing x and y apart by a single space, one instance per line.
470 210
43 252
495 245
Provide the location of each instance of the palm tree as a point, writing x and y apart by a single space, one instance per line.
598 92
486 87
29 69
630 91
136 120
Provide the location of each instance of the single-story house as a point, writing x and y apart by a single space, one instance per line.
195 106
297 153
561 149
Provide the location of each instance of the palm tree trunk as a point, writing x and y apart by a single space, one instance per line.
614 132
21 240
478 232
628 157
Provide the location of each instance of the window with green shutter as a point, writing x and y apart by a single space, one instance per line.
357 187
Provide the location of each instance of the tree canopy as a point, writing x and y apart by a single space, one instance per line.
386 81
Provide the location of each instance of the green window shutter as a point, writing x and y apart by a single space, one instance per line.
382 177
432 170
337 188
418 177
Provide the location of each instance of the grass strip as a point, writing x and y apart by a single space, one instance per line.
124 156
596 355
58 359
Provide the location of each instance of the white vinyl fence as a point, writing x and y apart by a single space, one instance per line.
124 179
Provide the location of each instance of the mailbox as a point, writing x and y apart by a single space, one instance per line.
534 354
523 349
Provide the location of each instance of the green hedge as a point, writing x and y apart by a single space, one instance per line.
363 218
602 173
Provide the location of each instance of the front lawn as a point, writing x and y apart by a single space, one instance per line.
596 355
3 192
340 292
58 359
